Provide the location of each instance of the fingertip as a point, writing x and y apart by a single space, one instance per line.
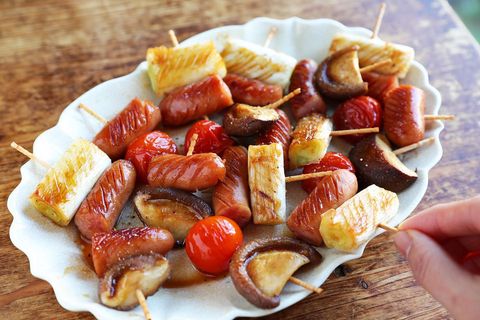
435 270
403 241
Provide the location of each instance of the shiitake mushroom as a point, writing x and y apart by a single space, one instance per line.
339 77
171 209
261 268
243 120
375 163
117 288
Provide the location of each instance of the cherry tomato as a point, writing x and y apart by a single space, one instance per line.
211 242
330 162
356 113
211 137
141 150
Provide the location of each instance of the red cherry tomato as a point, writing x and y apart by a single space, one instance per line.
211 137
330 162
357 113
141 150
211 242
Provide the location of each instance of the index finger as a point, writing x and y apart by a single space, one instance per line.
454 219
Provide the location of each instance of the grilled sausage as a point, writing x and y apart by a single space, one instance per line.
231 196
137 118
403 119
309 100
196 172
195 100
111 247
101 208
279 132
379 84
252 92
329 193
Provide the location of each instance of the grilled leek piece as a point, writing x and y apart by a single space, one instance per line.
376 50
266 178
311 138
355 221
256 62
169 68
66 184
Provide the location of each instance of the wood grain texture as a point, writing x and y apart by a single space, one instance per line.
52 51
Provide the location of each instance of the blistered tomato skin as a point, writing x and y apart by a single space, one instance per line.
330 162
141 150
357 113
211 137
211 242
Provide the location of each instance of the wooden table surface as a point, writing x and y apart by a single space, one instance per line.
52 51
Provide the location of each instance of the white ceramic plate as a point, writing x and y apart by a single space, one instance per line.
55 257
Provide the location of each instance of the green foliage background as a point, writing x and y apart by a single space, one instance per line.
469 12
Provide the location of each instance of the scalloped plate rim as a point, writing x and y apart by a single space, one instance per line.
93 307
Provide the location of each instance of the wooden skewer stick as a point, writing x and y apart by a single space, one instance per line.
173 37
306 176
271 34
143 304
193 142
386 227
354 131
278 103
205 117
94 114
439 117
375 65
305 285
414 146
378 22
30 155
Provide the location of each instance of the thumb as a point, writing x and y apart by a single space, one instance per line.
434 270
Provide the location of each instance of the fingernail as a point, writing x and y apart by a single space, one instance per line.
403 241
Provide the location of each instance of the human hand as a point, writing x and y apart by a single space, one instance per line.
442 246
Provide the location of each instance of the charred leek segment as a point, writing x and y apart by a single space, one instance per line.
169 68
144 272
354 222
311 138
266 178
66 184
256 62
376 50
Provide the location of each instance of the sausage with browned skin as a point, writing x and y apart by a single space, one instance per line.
111 247
309 100
379 84
137 118
403 117
101 208
196 172
330 193
195 100
252 92
279 132
231 196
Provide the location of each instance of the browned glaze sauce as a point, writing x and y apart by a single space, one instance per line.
183 273
86 247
